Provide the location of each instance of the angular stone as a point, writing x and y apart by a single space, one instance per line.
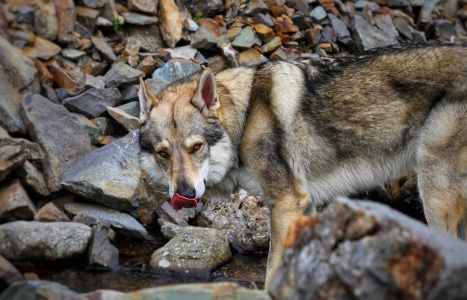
138 19
255 7
169 22
111 175
93 130
203 38
146 6
176 68
120 222
63 79
250 57
21 69
362 249
66 15
343 34
264 19
444 29
368 37
10 103
38 241
37 289
186 52
418 37
121 74
149 36
191 25
15 203
32 178
285 54
63 138
384 22
318 14
194 251
8 272
131 108
50 213
271 45
104 125
73 54
265 33
92 67
93 82
156 85
362 4
93 102
129 93
299 5
403 27
94 3
128 121
246 39
87 17
45 20
207 9
102 253
42 49
104 48
131 51
398 3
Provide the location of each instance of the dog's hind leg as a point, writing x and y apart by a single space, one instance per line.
442 162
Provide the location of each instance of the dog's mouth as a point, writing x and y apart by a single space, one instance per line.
178 202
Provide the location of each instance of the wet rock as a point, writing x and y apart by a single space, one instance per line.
186 52
128 121
121 74
50 213
102 254
241 218
10 103
93 102
403 27
255 7
149 36
368 37
250 57
42 49
15 203
104 48
204 38
361 249
138 19
120 222
246 39
39 289
170 24
318 14
72 54
32 178
285 54
45 20
176 68
21 69
66 15
146 6
8 272
37 241
192 252
384 22
63 138
172 222
111 175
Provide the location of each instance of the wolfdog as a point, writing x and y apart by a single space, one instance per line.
303 132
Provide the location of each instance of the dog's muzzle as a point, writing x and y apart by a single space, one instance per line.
178 202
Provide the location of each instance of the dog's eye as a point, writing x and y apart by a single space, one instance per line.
163 154
196 148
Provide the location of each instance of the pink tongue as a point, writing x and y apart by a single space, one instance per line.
178 202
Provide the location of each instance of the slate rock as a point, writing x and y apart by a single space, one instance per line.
138 19
193 252
127 121
131 108
94 3
170 23
255 7
368 37
32 178
121 74
93 102
72 54
15 203
418 37
93 131
206 8
39 289
176 68
362 4
264 19
10 104
8 272
149 36
403 27
251 57
444 29
146 6
111 175
93 82
104 125
63 138
186 52
129 93
384 22
203 38
285 54
42 48
102 254
343 34
104 48
246 39
38 241
318 14
120 222
398 3
359 249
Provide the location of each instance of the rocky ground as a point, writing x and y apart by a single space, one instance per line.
70 183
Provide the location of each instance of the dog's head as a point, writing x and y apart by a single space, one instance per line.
183 142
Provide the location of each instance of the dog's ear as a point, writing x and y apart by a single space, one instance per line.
147 100
205 98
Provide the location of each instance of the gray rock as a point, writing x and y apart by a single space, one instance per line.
156 85
318 14
42 48
203 38
264 19
384 22
206 8
93 82
149 36
131 108
25 14
104 125
176 68
94 3
300 5
172 222
63 138
121 74
120 222
104 48
49 93
129 93
192 252
418 37
93 131
191 25
45 20
10 104
73 54
15 203
8 272
444 29
242 219
50 213
32 178
39 289
246 39
127 121
368 37
398 3
111 175
102 254
360 5
403 27
93 102
256 7
343 34
138 19
145 6
21 69
186 52
37 241
359 249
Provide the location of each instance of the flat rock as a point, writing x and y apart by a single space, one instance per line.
8 272
15 203
271 45
93 102
384 22
104 48
32 178
10 105
138 19
368 37
93 131
206 8
403 27
186 52
176 68
359 249
111 175
250 57
121 74
131 108
203 38
50 213
149 36
63 138
285 54
94 3
102 254
42 48
193 252
170 23
129 93
246 39
318 14
120 222
146 6
45 20
38 241
39 289
72 54
255 7
343 34
362 4
93 82
128 121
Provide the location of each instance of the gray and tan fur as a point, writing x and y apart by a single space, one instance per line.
305 132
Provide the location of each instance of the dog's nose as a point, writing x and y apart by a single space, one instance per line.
186 191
